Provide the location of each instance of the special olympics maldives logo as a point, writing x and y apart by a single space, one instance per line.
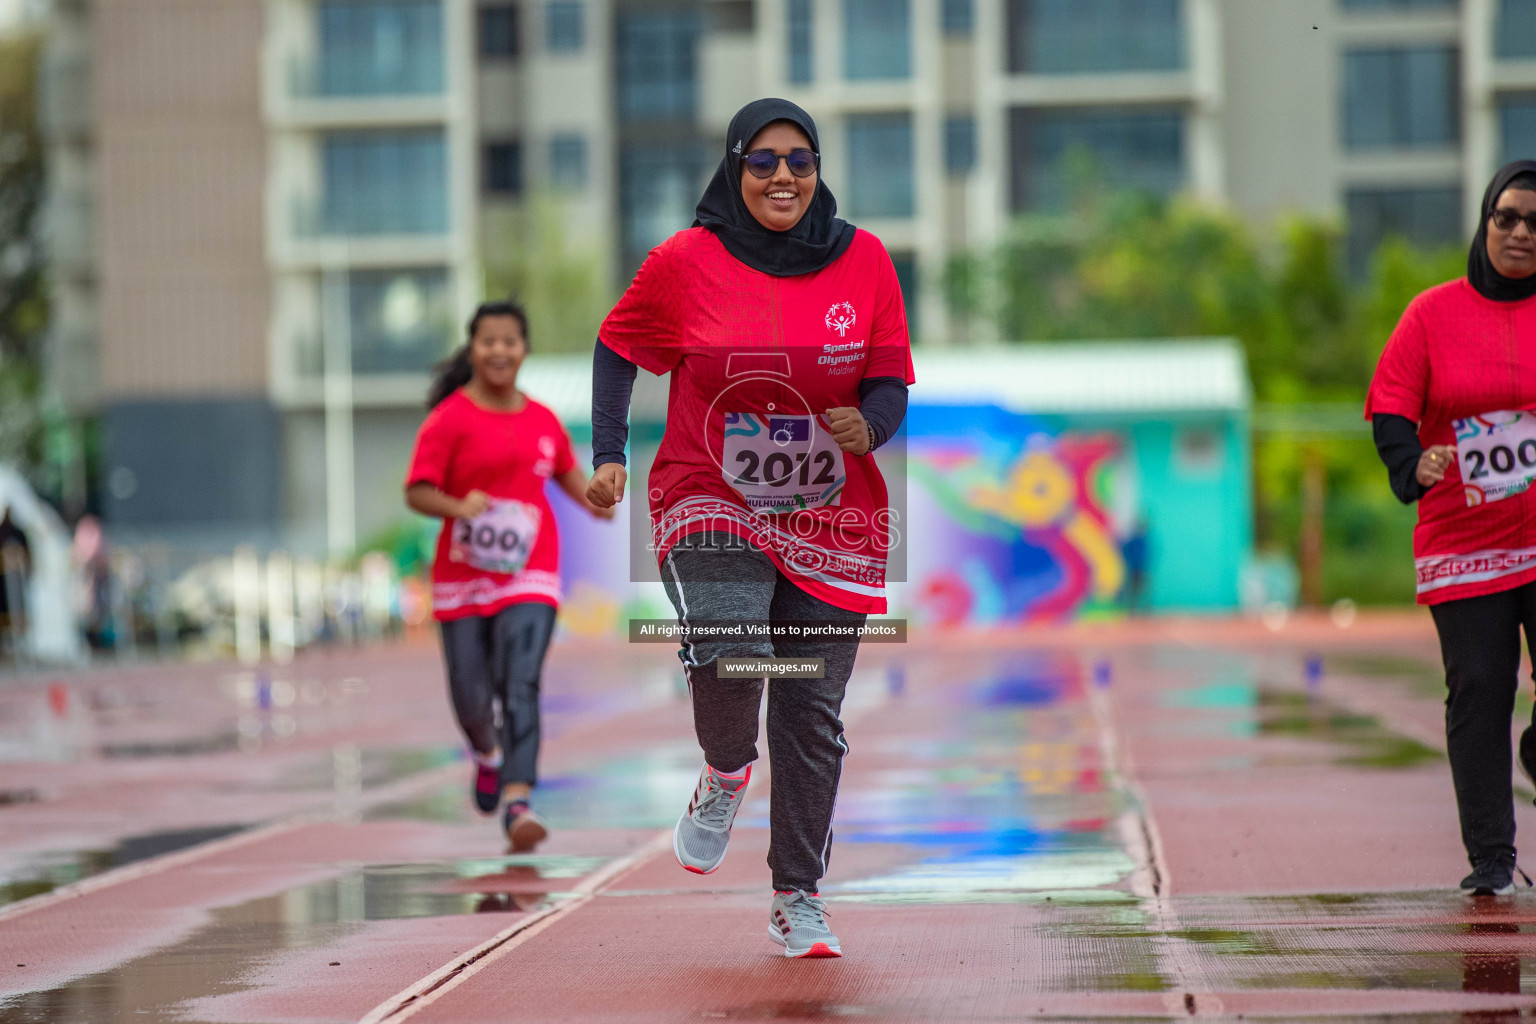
840 318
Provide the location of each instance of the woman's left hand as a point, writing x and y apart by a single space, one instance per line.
849 429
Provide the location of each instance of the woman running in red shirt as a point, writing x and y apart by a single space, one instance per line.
482 458
1453 407
785 335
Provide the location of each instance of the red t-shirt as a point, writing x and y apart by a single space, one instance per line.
1458 356
463 447
756 361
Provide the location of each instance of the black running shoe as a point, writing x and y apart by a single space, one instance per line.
1492 876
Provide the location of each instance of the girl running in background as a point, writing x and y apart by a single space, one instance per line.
481 461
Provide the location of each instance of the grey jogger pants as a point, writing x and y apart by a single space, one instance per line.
713 576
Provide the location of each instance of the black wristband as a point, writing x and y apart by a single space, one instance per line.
871 428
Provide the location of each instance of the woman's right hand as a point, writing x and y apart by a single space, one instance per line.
473 503
1433 464
606 489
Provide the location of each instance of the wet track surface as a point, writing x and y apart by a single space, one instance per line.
1135 822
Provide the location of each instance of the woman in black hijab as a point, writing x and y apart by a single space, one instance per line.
811 242
1452 410
783 330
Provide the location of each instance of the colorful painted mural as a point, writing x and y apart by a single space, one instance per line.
1018 523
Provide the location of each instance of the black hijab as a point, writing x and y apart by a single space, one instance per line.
1491 284
819 238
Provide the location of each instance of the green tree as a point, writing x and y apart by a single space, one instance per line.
23 298
529 256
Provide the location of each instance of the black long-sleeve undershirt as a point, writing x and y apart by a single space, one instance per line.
613 382
882 402
1397 442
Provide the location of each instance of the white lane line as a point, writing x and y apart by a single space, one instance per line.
1193 994
1137 829
423 993
400 789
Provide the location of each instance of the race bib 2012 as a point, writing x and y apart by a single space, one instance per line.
782 463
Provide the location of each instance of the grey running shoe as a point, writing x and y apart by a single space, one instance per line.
523 827
704 831
798 922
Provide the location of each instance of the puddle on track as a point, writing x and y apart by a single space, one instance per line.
45 872
1000 796
1427 941
241 940
1238 707
639 792
371 767
35 874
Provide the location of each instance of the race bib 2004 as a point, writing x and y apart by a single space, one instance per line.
500 539
1497 453
782 463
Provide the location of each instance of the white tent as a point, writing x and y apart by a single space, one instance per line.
53 635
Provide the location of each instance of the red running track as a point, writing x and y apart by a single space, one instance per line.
1201 836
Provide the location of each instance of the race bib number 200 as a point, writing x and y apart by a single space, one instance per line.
782 463
1497 454
500 539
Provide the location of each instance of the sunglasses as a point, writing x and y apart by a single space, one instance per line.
762 163
1505 220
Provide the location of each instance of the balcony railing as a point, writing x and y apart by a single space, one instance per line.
367 75
364 217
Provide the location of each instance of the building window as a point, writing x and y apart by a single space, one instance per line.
1517 127
959 17
1052 37
504 168
565 29
1398 5
393 47
1057 153
658 78
384 182
802 50
568 162
1515 31
959 145
401 319
498 31
880 160
659 186
877 39
1401 97
1424 216
731 16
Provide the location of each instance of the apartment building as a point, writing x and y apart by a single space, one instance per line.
269 217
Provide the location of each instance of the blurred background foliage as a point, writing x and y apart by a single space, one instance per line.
23 299
1136 266
559 280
